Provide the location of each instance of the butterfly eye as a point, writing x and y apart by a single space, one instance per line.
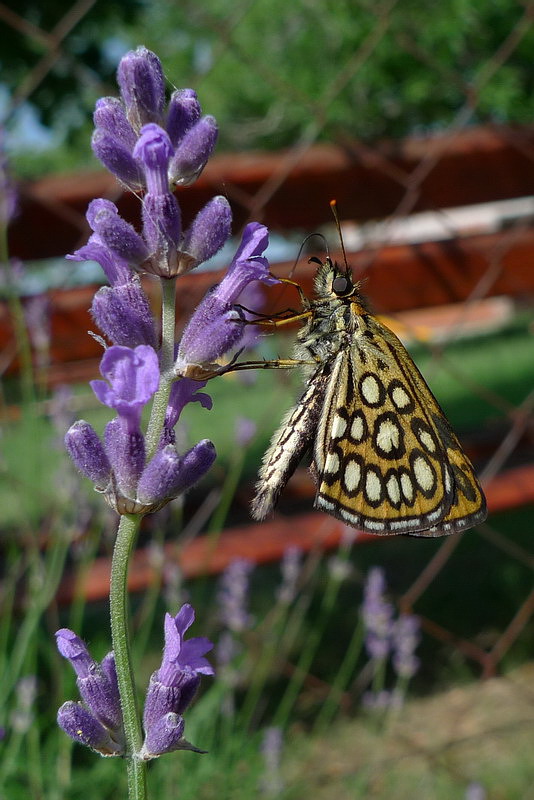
340 285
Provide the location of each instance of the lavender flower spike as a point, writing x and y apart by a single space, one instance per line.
406 637
173 686
377 615
216 326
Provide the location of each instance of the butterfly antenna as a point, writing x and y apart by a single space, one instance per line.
303 245
333 206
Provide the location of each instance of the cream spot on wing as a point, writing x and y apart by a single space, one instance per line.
393 489
448 481
338 427
352 476
400 398
407 487
388 436
374 525
370 389
423 474
427 441
373 486
357 429
326 504
332 463
402 524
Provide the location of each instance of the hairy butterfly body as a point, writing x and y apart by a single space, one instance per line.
384 457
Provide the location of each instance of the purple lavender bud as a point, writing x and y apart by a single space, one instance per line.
212 331
117 157
153 150
208 232
161 213
377 615
123 314
126 450
132 379
164 736
142 86
232 595
168 474
80 725
110 116
98 692
193 152
88 454
115 232
216 325
115 268
406 637
183 112
162 698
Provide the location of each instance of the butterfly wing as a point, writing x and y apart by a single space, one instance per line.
385 457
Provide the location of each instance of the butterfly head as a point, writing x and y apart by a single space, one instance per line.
332 281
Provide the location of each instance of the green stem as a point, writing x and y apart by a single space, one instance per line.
161 398
119 612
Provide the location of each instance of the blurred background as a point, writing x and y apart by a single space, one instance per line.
419 119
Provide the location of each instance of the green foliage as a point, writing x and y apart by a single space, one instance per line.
274 72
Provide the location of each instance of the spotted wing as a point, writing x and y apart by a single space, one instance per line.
385 457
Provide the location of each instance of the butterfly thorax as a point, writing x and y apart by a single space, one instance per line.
337 316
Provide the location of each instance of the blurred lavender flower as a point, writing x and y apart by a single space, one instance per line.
377 615
173 686
37 316
245 431
291 568
98 723
406 637
383 700
271 783
475 791
232 595
23 715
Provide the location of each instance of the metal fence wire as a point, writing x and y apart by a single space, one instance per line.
439 217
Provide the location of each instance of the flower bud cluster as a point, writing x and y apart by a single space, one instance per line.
97 721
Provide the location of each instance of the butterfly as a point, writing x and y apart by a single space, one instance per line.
384 458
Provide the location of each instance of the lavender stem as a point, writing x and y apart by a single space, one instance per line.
161 398
119 613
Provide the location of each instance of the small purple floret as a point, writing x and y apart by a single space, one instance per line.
132 378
